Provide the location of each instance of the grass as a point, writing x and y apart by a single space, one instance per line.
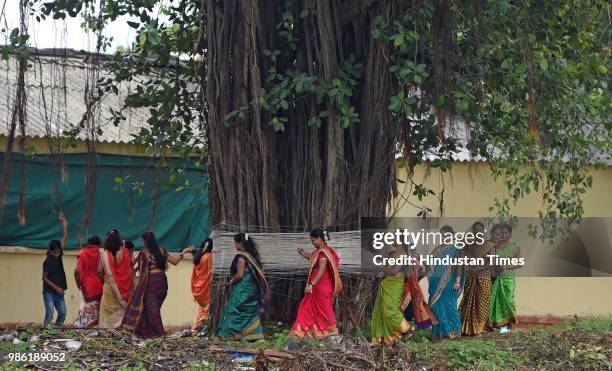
580 344
477 353
599 324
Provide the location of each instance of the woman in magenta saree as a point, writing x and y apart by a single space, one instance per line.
316 317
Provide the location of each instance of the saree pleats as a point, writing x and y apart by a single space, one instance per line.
503 309
443 298
89 314
136 305
316 317
474 308
502 306
418 309
117 287
201 278
388 322
240 318
111 310
150 323
143 314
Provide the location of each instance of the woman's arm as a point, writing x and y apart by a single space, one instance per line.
239 272
303 253
322 268
516 253
174 258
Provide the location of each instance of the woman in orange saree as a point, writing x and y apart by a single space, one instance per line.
201 278
316 317
115 270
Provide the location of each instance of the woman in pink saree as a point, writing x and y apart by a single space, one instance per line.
316 317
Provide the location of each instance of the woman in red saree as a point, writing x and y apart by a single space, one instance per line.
87 280
115 270
316 317
201 278
143 314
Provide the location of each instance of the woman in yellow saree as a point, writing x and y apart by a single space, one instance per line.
115 271
474 307
388 323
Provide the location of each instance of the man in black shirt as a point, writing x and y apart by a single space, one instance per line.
54 278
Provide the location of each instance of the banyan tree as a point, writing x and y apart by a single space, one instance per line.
305 109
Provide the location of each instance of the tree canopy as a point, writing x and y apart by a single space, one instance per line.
302 107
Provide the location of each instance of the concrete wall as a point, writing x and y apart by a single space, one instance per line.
21 269
21 289
469 191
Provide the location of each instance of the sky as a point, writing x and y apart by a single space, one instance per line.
59 33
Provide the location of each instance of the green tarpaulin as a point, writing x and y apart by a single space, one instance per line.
181 217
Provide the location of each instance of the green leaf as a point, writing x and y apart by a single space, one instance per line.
602 69
544 64
441 100
398 40
133 24
506 63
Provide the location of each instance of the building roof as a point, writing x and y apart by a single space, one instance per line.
53 104
459 131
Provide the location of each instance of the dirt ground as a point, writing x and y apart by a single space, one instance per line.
585 344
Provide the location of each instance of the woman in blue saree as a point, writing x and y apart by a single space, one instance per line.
445 283
240 319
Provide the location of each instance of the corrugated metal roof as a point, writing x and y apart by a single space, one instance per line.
52 104
459 131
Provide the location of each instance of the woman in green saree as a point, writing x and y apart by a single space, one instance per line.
503 310
240 319
388 322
